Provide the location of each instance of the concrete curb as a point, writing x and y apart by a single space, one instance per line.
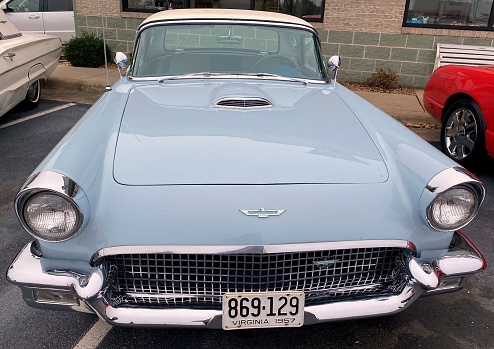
89 80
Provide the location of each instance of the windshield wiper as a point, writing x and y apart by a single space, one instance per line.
191 75
269 75
209 74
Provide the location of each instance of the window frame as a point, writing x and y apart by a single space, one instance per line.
489 27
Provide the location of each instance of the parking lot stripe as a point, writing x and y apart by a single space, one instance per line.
41 113
94 336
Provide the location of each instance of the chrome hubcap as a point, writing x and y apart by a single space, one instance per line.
460 133
32 91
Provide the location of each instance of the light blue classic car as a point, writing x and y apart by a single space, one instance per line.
227 181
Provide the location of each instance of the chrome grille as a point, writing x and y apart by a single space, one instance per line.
243 103
200 280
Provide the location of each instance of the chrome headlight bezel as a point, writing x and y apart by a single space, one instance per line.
52 183
441 184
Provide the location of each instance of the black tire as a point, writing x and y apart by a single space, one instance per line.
33 95
463 133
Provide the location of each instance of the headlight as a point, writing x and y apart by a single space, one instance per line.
49 207
50 216
454 197
452 209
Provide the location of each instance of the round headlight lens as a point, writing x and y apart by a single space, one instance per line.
453 209
51 217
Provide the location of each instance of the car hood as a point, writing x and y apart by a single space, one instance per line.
174 134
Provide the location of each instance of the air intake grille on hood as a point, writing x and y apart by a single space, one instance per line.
243 103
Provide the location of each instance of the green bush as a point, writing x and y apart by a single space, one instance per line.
86 51
385 79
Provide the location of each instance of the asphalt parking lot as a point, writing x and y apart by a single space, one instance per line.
459 320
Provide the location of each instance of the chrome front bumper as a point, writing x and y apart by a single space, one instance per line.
78 286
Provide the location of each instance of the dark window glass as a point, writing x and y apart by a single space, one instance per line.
140 5
449 13
58 5
23 6
310 10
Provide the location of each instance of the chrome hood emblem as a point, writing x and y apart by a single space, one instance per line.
262 213
325 263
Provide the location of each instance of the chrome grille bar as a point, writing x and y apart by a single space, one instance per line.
167 279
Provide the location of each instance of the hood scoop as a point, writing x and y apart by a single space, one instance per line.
243 103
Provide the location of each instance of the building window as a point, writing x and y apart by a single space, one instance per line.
450 14
310 10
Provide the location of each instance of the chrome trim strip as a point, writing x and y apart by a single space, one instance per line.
164 21
240 249
443 181
164 78
54 183
454 176
20 65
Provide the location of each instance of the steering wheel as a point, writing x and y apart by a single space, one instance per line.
291 61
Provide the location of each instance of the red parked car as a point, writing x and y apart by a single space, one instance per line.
462 99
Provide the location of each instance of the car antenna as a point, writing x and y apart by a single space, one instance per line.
107 87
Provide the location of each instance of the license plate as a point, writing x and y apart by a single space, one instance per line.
262 310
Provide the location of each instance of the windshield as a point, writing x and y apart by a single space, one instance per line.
175 50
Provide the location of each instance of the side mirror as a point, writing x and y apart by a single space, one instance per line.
121 61
334 63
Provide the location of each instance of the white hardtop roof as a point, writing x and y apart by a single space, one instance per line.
215 13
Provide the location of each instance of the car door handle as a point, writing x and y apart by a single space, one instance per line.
33 17
9 55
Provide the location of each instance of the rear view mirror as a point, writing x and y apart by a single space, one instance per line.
233 40
230 39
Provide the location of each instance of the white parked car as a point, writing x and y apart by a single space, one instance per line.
42 16
27 60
